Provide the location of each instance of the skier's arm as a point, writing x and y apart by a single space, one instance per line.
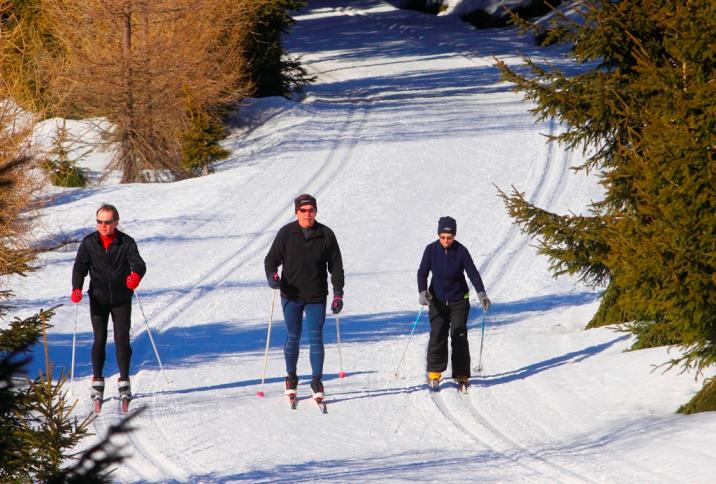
81 267
136 263
424 270
274 258
335 266
472 272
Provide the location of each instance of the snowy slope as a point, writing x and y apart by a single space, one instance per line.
408 121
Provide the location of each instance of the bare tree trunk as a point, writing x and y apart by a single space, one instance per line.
130 169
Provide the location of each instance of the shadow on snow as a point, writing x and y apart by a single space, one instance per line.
201 343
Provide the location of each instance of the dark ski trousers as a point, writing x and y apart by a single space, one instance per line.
121 322
315 318
449 318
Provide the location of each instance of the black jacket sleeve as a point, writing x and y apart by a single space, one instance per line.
335 265
136 263
82 265
274 258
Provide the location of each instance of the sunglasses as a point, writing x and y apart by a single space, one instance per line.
104 222
307 210
446 237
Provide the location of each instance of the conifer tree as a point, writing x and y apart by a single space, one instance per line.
273 71
200 141
644 106
61 161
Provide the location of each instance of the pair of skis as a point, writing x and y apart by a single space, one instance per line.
434 386
97 405
320 401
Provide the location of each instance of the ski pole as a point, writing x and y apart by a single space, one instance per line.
341 373
397 369
260 393
74 342
478 368
151 338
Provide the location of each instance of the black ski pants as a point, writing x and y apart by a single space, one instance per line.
121 322
449 319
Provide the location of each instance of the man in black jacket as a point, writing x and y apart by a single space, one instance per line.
306 250
115 269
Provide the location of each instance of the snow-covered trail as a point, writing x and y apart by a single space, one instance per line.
407 121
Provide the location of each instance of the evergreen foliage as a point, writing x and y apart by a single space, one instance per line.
704 401
201 141
37 429
644 109
273 71
60 164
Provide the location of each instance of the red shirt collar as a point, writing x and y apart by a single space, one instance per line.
107 240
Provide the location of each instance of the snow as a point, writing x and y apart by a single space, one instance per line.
408 121
492 7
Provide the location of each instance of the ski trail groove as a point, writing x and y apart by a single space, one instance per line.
219 272
345 147
516 454
500 260
101 427
500 435
507 250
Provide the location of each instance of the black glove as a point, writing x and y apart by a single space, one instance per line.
274 281
337 304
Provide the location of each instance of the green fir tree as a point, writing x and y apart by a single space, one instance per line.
643 105
61 163
273 71
200 143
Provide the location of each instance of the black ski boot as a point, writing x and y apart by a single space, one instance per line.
318 395
97 393
125 394
290 391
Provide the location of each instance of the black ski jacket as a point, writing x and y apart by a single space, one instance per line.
108 269
304 260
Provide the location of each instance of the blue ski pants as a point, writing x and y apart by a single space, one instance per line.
293 312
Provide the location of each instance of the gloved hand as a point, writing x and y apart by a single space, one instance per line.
424 298
76 295
133 281
337 304
274 281
484 300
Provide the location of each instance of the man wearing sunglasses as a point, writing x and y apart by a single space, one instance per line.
448 298
115 268
306 250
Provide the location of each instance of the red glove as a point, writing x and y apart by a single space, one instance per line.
133 280
337 304
76 295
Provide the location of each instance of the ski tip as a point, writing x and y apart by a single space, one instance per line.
342 374
260 394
